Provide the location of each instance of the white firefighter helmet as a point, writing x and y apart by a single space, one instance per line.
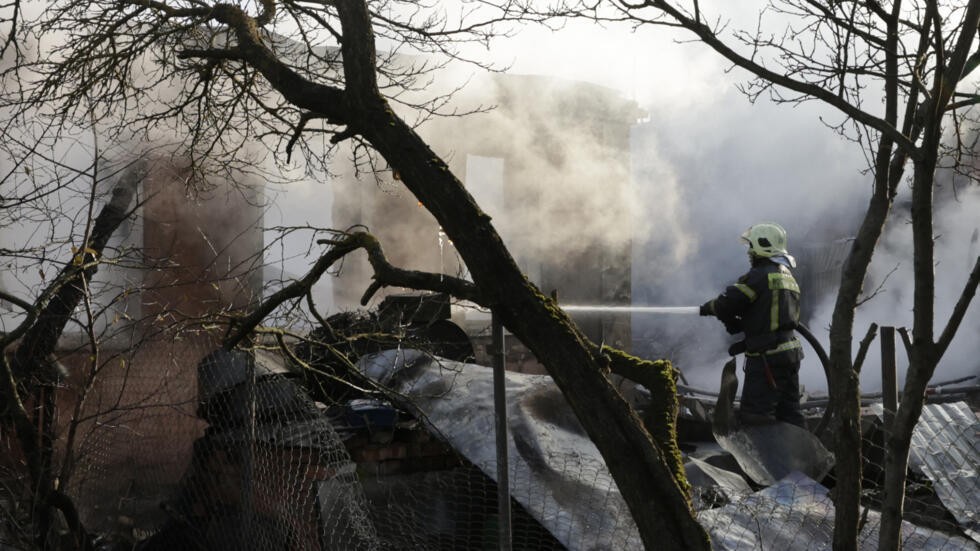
768 240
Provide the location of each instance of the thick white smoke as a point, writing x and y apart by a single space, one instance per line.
707 164
891 281
706 175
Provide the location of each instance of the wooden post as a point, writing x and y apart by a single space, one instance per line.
889 380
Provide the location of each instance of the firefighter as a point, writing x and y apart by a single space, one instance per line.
764 304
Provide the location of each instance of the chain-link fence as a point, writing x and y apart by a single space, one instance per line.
176 444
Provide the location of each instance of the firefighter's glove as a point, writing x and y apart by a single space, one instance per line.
736 349
733 326
706 310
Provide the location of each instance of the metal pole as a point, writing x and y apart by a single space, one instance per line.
500 416
889 380
248 484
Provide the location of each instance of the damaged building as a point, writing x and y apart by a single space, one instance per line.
181 445
426 463
534 163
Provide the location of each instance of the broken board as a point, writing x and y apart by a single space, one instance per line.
767 451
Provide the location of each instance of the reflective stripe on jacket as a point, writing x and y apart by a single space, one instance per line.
765 304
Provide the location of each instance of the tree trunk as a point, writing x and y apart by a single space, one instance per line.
922 362
844 384
660 506
654 492
897 444
40 334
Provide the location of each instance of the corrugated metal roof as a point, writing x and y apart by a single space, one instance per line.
559 477
556 472
797 514
946 449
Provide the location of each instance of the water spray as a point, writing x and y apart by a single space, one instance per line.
684 310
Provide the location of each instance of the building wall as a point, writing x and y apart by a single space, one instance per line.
202 250
134 404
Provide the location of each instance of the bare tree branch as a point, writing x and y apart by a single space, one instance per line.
41 336
959 311
384 274
708 36
869 338
17 301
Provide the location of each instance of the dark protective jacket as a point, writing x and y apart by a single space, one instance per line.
765 305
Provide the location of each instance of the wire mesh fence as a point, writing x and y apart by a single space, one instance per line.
174 445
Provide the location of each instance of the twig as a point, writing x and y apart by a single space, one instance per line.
869 337
384 274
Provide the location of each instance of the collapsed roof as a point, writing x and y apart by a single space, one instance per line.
560 478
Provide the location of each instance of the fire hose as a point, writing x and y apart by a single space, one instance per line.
803 330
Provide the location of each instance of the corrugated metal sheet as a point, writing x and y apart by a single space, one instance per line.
556 472
797 514
946 449
558 476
